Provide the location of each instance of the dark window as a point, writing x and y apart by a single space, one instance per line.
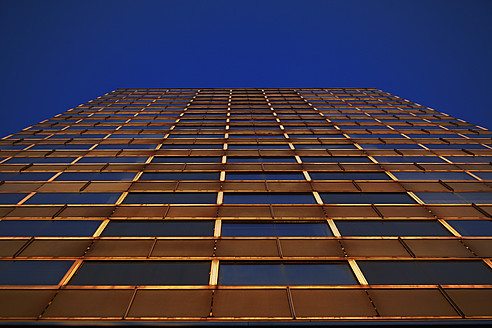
432 176
96 176
276 229
470 159
133 146
171 198
268 198
391 228
40 160
336 159
32 272
286 274
189 159
484 175
324 146
408 159
142 273
73 198
194 146
260 146
11 198
455 197
454 146
426 272
261 160
28 176
264 176
61 147
159 229
390 146
112 160
179 176
48 228
367 198
349 176
472 227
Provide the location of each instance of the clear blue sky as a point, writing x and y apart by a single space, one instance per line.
57 54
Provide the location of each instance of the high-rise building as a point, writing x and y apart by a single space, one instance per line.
264 205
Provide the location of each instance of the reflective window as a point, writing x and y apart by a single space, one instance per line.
142 273
390 146
349 176
33 272
261 160
171 198
367 198
237 274
391 228
48 228
454 146
484 175
472 228
40 160
113 159
432 176
96 176
455 197
275 229
11 198
265 176
408 159
470 159
336 159
426 272
179 176
26 176
133 146
268 198
73 198
159 229
61 146
189 159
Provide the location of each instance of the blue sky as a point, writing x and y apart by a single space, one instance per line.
58 54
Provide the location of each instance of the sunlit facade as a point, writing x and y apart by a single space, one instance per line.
234 205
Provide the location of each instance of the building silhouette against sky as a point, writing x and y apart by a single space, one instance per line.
268 205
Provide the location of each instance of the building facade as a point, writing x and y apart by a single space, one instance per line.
234 205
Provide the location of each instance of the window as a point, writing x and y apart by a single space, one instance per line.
426 272
275 229
27 176
454 146
472 228
32 272
391 146
237 274
432 176
189 159
408 159
61 146
126 146
367 198
391 228
73 198
455 197
171 198
268 198
194 146
96 176
336 159
142 273
261 160
470 159
48 228
40 160
260 146
11 198
121 159
264 176
179 176
349 176
324 146
487 176
159 229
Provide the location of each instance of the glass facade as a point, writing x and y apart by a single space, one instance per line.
234 205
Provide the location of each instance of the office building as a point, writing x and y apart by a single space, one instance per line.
232 205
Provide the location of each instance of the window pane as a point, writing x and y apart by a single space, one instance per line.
261 146
194 146
171 198
284 229
472 227
432 176
349 176
180 176
125 146
196 159
28 176
484 175
455 197
48 228
261 160
408 159
324 146
11 198
268 198
335 159
391 228
142 273
426 272
112 160
96 176
73 198
40 160
32 272
264 176
286 274
470 159
159 229
367 198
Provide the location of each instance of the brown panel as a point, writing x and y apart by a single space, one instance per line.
17 186
89 303
404 211
107 187
289 186
245 247
461 211
61 187
361 167
470 186
34 211
473 302
243 167
481 247
56 248
120 248
424 186
183 248
200 186
192 212
438 248
388 247
244 186
171 303
332 303
350 212
87 211
251 303
85 167
311 247
380 187
24 303
154 186
334 186
4 210
140 211
298 211
410 303
244 211
9 247
323 167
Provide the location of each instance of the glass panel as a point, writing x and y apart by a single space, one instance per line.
367 198
194 146
286 274
40 160
432 176
48 228
142 273
159 229
171 198
112 160
180 176
264 176
408 159
336 159
268 198
472 228
73 198
135 146
32 272
11 198
324 146
28 176
197 159
277 229
470 159
455 197
349 176
261 159
484 175
391 228
96 176
261 146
